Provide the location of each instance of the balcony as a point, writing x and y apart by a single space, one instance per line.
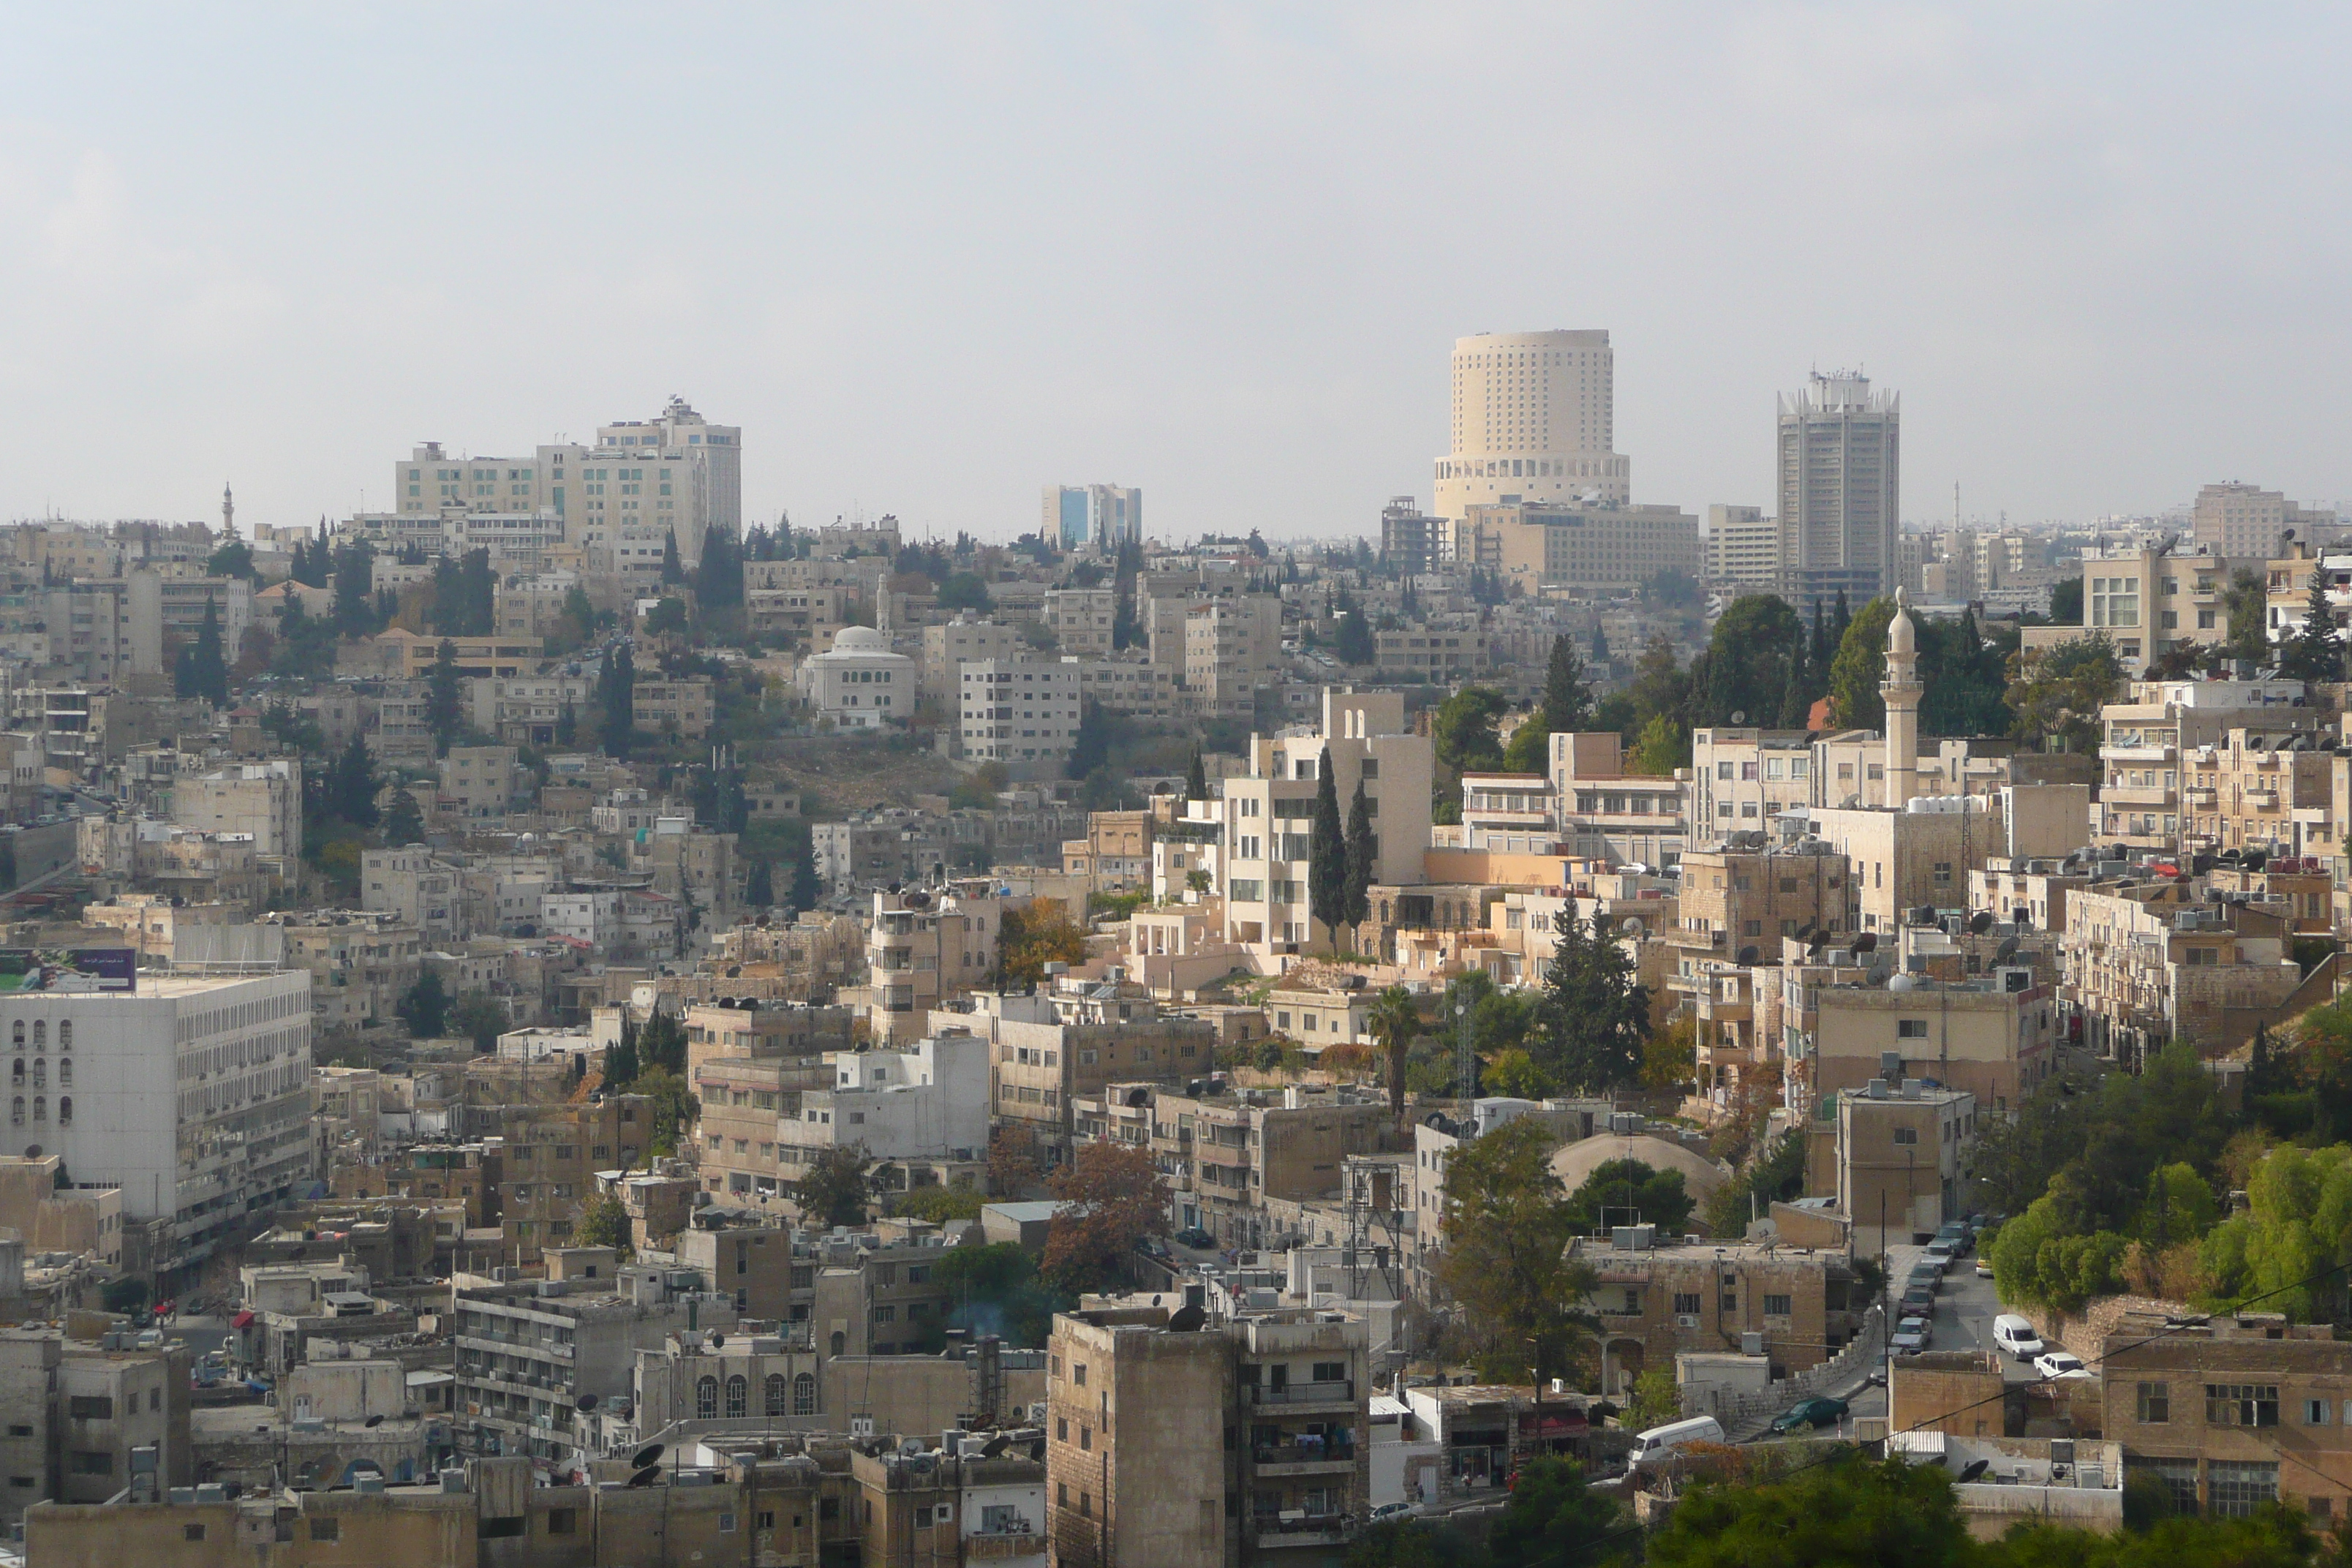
1296 1528
1305 1456
2162 752
992 1546
1295 1394
2260 799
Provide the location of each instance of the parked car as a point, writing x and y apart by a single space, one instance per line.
1918 1302
2058 1364
1910 1336
2015 1335
1984 1268
1389 1511
1819 1411
1196 1237
1945 1253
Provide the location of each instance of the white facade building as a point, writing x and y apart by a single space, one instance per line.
1841 488
1019 710
190 1094
929 1102
1533 419
859 683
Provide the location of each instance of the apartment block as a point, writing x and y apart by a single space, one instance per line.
1233 645
1080 618
926 945
2248 521
1041 1065
1020 711
263 799
2150 961
1560 544
1995 1037
1656 1297
1269 812
1608 813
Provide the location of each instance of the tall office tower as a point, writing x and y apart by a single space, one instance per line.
1533 420
1840 488
1105 516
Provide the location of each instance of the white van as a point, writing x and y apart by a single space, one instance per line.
1653 1446
2015 1335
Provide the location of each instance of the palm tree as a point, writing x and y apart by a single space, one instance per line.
1395 1022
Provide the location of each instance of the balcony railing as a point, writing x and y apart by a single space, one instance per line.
1303 1529
1342 1392
1308 1451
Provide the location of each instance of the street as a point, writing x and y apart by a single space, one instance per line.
1965 1308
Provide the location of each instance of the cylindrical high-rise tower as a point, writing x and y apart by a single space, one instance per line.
1534 419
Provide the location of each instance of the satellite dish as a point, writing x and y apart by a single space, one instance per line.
718 1340
1976 1468
2006 950
1980 923
646 1477
374 1421
1749 955
1186 1320
1740 715
647 1456
1866 942
995 1445
585 1402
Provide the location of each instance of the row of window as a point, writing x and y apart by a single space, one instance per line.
41 1109
739 1397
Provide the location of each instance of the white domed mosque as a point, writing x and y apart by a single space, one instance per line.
859 683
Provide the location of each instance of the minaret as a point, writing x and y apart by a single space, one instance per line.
1901 690
228 514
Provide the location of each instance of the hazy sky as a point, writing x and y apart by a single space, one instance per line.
932 258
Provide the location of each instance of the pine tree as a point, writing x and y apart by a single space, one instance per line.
760 887
621 1066
2317 651
567 725
1599 645
1355 903
352 785
619 700
355 611
208 670
1327 855
718 579
405 824
1196 778
426 1008
1838 624
444 714
670 571
1824 649
1596 1016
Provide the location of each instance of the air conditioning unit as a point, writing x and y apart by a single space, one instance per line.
1686 1319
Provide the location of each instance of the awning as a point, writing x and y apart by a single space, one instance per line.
241 1320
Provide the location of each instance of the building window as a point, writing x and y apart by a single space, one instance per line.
1687 1305
739 1392
1911 1028
2242 1405
1776 1306
705 1399
2240 1488
804 1395
1906 1135
326 1530
773 1392
2316 1411
2155 1404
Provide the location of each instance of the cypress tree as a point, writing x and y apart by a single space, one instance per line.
443 713
1357 903
1196 778
760 887
1327 855
208 670
619 685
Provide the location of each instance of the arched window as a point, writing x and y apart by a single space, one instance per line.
738 1393
17 1035
64 1072
17 1111
838 1341
804 1395
65 1110
40 1072
775 1394
16 1073
40 1107
706 1398
40 1032
65 1034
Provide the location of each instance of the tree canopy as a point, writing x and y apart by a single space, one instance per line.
1504 1237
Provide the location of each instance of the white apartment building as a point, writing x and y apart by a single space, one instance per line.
1742 547
950 644
1533 419
1270 812
2146 602
926 1101
1840 487
859 683
190 1094
926 944
1233 645
1019 710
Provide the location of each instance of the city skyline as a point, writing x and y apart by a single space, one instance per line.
2022 244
